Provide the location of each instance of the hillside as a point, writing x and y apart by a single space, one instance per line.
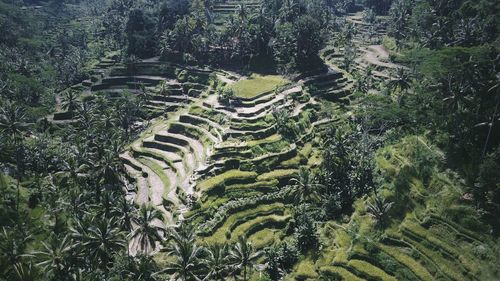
249 140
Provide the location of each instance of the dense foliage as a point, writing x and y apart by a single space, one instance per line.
418 143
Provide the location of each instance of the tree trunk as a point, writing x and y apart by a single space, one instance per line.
493 119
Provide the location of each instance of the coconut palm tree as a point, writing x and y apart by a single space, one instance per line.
216 261
25 272
102 241
304 186
55 258
350 52
186 254
69 101
148 228
12 248
109 168
124 211
143 268
400 82
378 209
12 125
243 256
12 122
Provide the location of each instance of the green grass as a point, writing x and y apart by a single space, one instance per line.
258 224
240 218
270 139
423 233
256 85
343 273
370 270
407 261
259 185
277 174
265 237
433 255
219 180
305 270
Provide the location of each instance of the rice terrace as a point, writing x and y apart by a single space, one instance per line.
249 140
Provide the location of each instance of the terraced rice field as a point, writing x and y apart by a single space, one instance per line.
257 85
199 160
221 10
370 53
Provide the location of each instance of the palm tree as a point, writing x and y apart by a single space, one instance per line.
350 52
148 228
143 268
72 171
109 168
12 124
305 186
54 258
216 261
85 113
12 248
69 101
186 254
401 82
102 241
123 211
281 116
243 256
379 209
25 272
142 91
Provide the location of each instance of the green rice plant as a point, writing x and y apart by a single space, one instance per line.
370 270
139 151
250 227
444 265
339 272
305 269
233 221
417 269
423 234
219 180
259 185
256 85
270 139
239 204
277 174
265 238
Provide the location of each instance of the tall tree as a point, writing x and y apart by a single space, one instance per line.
243 256
186 263
148 229
305 186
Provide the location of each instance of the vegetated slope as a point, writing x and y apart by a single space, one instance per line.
433 234
221 166
226 167
426 227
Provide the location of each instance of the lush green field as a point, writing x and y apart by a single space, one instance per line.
256 85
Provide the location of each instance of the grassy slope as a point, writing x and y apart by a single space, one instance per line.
433 234
257 84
